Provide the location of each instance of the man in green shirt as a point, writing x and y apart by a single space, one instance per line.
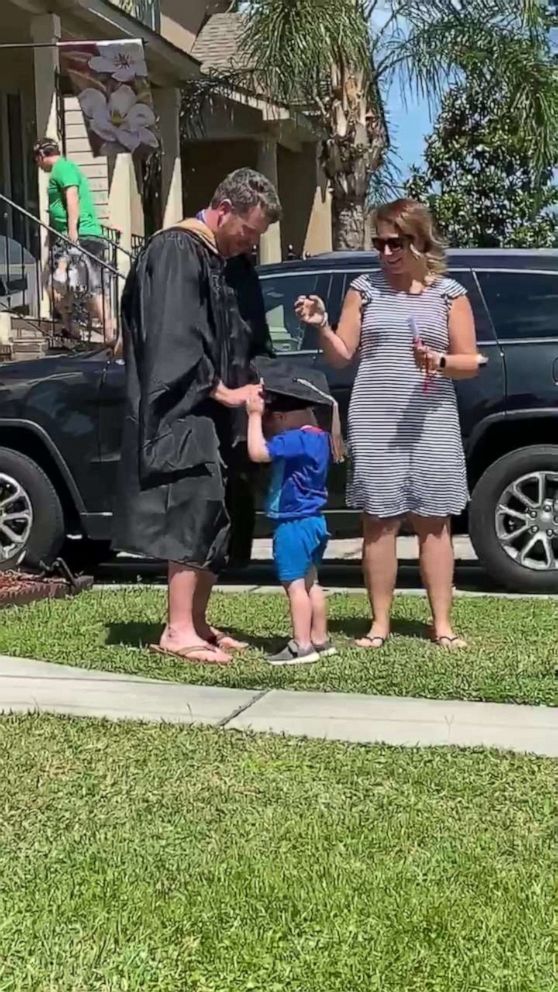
72 214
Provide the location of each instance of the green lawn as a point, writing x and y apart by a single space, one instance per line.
512 654
161 859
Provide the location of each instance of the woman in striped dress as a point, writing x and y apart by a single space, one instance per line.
414 330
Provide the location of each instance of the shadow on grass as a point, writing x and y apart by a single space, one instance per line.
141 635
356 627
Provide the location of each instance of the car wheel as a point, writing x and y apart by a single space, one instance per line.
513 519
31 517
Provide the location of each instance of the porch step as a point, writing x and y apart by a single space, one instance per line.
34 328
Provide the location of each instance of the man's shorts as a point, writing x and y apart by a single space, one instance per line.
298 546
92 279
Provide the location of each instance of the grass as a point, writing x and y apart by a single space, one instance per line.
512 654
162 859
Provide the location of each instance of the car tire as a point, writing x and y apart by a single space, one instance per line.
487 496
44 536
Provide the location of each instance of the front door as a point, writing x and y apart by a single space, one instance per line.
13 167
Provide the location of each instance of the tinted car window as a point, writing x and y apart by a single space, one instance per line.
280 293
522 304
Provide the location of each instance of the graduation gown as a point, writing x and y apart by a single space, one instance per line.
181 450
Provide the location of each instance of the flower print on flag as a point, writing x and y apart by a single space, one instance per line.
123 61
122 122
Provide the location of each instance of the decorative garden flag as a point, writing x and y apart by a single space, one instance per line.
111 83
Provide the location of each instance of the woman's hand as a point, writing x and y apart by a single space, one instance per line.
427 360
310 310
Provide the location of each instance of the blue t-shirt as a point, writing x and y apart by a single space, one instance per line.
300 461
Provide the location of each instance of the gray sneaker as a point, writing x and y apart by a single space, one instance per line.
326 649
293 655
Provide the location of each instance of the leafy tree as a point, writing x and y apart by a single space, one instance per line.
481 178
334 59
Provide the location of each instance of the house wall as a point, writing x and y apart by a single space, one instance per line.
306 223
204 165
17 77
78 150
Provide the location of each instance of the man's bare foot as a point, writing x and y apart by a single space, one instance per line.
189 646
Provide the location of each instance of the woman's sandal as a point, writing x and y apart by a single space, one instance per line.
374 642
449 643
198 654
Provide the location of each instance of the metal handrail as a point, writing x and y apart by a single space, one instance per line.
138 241
114 242
77 304
61 237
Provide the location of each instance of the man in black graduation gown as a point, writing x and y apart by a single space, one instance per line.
187 352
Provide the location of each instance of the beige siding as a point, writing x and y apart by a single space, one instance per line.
78 149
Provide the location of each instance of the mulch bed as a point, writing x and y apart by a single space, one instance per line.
20 588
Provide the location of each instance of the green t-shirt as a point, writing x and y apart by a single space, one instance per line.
63 175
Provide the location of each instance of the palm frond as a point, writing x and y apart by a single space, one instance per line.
503 41
293 44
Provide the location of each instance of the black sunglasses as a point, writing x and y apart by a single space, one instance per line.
394 244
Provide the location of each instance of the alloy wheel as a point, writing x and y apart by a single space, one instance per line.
16 519
527 521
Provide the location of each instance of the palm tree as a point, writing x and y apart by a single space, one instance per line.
334 59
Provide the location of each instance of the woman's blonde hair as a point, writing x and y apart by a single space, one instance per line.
414 221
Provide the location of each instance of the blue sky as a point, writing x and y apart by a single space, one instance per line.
408 125
408 128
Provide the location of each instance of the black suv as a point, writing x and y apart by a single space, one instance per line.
60 418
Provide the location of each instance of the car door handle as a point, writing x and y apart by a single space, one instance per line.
555 371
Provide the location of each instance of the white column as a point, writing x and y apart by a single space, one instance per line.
45 30
270 244
319 231
122 179
167 107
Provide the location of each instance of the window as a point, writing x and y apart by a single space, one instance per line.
522 304
280 294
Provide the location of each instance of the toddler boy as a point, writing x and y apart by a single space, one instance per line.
283 430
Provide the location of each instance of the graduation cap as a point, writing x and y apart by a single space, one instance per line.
295 387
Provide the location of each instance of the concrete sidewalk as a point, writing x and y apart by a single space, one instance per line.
38 686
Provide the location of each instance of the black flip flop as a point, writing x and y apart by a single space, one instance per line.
380 643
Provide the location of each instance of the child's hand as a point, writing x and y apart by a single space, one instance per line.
255 404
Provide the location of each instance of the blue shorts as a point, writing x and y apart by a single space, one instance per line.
299 545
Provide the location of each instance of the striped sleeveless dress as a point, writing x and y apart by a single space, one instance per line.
405 448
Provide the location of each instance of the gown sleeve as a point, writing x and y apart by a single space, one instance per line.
242 276
177 361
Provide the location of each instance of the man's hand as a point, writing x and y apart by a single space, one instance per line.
235 397
255 405
245 394
72 206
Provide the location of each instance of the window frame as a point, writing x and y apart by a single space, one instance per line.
312 273
347 275
502 339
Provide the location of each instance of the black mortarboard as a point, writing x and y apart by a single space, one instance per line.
288 380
